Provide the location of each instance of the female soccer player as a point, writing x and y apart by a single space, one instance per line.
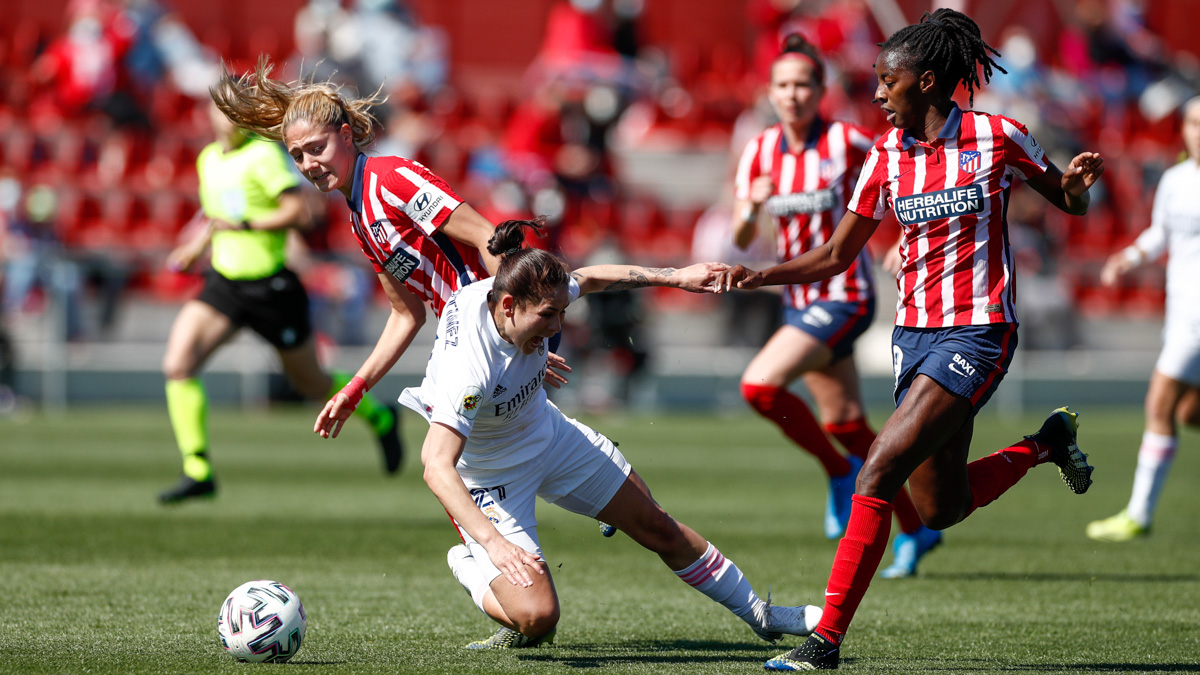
946 174
1174 392
802 171
495 442
423 240
250 197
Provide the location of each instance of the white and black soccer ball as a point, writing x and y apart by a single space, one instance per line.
261 621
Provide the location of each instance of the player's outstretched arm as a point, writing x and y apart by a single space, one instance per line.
698 278
829 259
403 324
440 453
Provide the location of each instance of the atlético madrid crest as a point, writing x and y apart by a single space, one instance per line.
968 160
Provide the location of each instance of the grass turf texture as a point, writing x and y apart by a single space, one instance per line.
97 577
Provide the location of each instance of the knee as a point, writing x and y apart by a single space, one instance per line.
1187 412
536 621
175 367
760 397
939 518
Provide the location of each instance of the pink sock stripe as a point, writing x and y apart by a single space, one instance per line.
1158 451
707 569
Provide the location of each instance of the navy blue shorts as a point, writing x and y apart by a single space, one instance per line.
968 361
836 324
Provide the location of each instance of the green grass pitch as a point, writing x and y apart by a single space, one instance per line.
96 577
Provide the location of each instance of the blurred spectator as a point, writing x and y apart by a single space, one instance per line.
80 71
34 257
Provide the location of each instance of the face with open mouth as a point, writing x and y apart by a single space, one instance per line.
530 325
324 154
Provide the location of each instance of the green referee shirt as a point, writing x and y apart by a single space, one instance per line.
245 184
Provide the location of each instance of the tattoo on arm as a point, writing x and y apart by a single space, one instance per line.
638 278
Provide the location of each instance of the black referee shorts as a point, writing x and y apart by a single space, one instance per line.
275 307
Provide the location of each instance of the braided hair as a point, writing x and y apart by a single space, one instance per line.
948 43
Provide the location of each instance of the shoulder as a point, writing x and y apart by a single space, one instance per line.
856 136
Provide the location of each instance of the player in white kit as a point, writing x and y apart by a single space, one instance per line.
1174 393
495 441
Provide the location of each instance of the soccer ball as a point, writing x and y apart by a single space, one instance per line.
261 621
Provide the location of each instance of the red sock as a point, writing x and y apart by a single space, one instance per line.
857 558
857 438
989 477
792 416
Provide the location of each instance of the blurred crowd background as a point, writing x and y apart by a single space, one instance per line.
619 120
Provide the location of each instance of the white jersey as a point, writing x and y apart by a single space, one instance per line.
1175 229
485 388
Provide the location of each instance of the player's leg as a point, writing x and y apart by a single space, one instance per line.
198 331
1156 454
1187 412
699 564
529 615
927 417
282 318
788 354
836 389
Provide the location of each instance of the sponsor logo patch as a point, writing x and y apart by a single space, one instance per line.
958 201
784 206
961 366
1031 146
817 317
401 264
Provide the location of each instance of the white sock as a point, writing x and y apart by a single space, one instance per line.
1154 463
721 580
467 572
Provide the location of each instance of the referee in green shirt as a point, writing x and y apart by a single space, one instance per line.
251 199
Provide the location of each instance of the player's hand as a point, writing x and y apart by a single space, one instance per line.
218 224
555 363
892 261
1118 265
1082 173
701 277
335 413
761 189
739 276
514 562
183 258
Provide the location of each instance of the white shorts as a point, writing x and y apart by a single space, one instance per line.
1180 357
580 472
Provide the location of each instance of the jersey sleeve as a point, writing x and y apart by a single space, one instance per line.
272 170
749 167
870 194
461 385
1022 152
419 193
1154 240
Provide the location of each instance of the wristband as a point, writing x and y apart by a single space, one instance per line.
1134 255
245 224
354 390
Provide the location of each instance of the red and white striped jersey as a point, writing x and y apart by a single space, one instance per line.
951 197
812 186
397 206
